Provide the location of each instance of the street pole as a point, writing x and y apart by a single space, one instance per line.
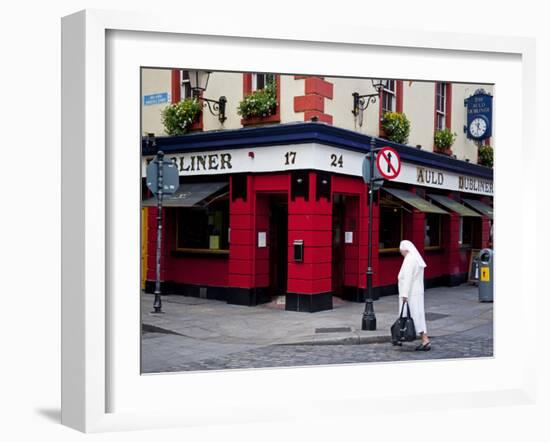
157 305
369 318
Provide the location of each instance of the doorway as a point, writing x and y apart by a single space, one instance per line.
338 214
278 244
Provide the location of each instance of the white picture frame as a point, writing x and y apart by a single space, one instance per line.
92 321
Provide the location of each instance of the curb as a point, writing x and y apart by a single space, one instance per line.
347 340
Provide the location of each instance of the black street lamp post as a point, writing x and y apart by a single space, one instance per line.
157 305
369 318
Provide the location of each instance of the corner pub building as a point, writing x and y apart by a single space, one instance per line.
282 210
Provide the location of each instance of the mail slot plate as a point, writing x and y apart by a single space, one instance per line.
299 250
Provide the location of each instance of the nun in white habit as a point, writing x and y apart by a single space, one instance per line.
411 289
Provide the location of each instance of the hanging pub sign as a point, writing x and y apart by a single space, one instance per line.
479 110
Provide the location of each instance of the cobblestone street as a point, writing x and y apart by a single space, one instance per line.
476 342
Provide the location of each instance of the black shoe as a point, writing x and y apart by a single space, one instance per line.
396 343
424 347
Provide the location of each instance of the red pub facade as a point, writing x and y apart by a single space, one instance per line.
282 210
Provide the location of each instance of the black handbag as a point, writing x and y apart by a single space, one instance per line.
403 328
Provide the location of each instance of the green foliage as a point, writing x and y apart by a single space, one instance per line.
485 156
444 138
178 117
397 126
260 103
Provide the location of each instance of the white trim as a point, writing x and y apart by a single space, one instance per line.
315 156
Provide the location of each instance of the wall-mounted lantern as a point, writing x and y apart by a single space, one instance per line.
361 102
199 82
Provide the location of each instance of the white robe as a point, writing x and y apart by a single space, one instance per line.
411 285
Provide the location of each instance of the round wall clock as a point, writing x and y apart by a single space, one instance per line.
478 127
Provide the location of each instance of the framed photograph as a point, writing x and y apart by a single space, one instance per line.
216 216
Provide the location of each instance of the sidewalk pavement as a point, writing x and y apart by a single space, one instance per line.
214 326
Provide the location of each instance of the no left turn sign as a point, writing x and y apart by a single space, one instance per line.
388 163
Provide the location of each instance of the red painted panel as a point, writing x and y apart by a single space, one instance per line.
311 238
485 232
241 252
176 85
399 95
241 267
314 85
198 270
311 207
348 185
242 236
262 253
351 279
300 270
244 281
309 286
435 261
262 280
240 221
238 206
351 252
309 103
388 269
309 222
272 182
314 254
448 105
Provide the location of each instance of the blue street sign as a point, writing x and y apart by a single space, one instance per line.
159 98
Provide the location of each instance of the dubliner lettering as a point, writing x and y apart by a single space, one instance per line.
475 184
195 163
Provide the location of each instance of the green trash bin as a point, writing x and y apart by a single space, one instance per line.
485 282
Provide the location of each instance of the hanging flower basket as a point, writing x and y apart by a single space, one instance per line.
259 104
443 140
396 127
178 118
485 156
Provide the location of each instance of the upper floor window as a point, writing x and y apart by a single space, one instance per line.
440 105
389 97
185 86
260 81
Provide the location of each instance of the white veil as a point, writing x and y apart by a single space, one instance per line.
413 251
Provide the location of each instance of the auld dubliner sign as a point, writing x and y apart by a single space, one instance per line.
317 157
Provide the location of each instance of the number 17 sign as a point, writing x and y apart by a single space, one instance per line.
388 163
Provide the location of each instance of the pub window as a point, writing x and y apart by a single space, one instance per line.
432 236
389 97
391 227
260 81
185 85
204 229
440 104
466 231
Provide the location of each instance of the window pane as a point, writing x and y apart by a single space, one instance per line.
440 121
432 237
261 81
390 227
200 228
467 231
